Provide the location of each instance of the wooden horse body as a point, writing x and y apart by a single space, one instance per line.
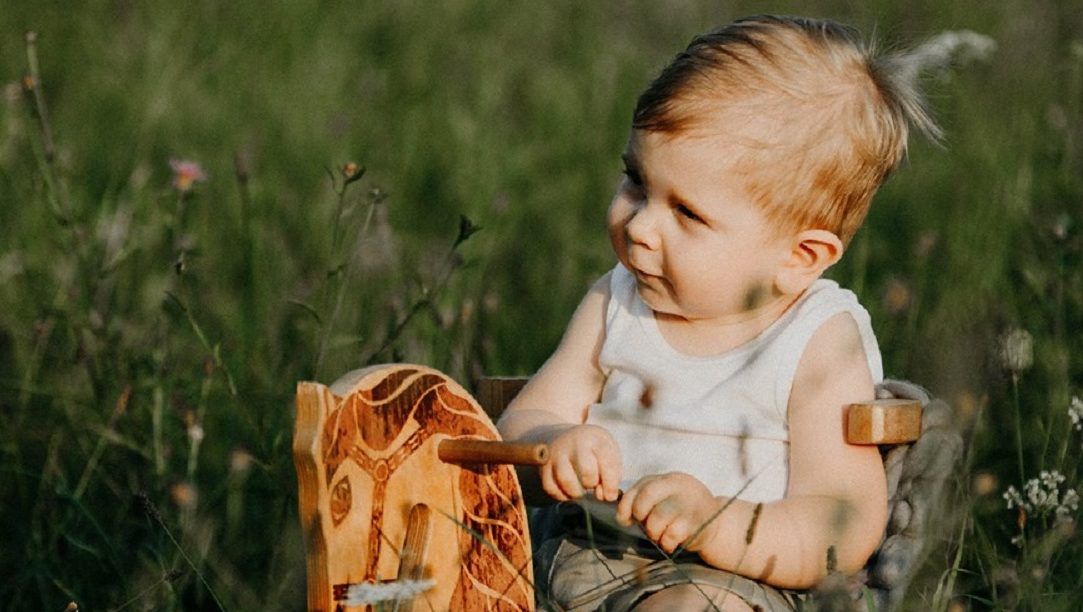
379 505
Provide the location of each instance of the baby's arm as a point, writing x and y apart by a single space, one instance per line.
836 496
552 408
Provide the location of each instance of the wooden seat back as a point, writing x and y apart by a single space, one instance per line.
921 450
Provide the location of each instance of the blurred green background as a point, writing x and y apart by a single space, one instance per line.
151 337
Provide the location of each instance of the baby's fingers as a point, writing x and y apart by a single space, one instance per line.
552 480
566 478
642 497
548 483
674 535
659 519
609 468
626 502
586 468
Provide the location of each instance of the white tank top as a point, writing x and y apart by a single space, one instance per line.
721 419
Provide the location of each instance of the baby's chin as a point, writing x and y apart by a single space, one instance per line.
656 300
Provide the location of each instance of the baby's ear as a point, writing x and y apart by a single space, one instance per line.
812 252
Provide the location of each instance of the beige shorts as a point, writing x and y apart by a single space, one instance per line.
607 570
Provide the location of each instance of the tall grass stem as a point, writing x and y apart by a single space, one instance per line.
157 517
157 410
1018 426
32 84
344 280
214 351
428 291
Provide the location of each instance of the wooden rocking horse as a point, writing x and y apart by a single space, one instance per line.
403 480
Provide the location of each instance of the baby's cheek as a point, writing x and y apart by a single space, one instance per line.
616 222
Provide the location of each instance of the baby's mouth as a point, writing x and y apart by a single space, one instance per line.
645 279
639 273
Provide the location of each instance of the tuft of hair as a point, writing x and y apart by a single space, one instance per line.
822 116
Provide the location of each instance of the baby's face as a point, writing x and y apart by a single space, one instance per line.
683 224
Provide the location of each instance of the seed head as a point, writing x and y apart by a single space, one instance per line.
183 494
897 296
240 461
1016 350
985 483
148 506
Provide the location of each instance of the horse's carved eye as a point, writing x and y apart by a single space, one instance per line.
341 500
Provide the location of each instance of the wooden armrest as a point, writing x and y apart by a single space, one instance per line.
882 421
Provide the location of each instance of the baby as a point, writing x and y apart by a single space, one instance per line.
701 384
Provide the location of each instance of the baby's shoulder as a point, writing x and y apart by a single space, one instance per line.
824 301
829 335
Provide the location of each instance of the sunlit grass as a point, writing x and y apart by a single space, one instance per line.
151 337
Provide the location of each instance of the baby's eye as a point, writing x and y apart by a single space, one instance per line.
688 213
633 186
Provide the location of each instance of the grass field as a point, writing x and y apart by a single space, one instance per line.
152 332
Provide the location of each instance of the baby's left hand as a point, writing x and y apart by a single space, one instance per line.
674 509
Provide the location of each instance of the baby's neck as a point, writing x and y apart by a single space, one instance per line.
711 337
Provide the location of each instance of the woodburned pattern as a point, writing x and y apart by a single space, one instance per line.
366 428
484 584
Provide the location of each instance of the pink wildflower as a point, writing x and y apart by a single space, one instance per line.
186 173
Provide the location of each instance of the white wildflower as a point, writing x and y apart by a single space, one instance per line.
1042 495
1016 350
1036 495
1050 480
959 46
1069 504
369 592
1075 413
1014 499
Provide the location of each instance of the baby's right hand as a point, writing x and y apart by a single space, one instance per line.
582 458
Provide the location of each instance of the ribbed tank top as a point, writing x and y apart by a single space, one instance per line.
722 418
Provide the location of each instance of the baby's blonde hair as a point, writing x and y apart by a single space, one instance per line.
835 114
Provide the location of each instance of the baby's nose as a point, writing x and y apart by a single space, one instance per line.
641 229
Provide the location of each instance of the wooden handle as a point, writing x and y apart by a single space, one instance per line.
884 421
486 451
415 548
415 551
